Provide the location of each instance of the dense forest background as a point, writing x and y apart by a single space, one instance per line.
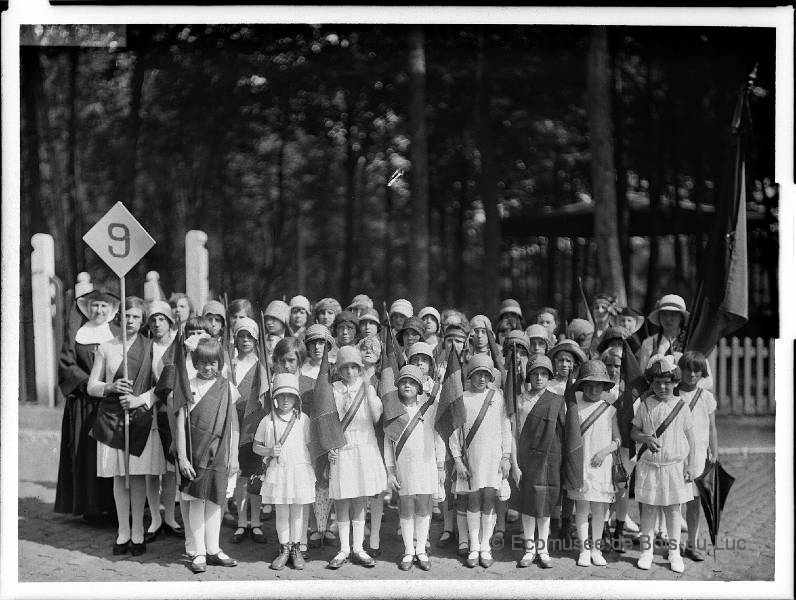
278 142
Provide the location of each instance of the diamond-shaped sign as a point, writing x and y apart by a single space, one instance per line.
119 240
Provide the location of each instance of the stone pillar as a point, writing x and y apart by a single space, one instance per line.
152 290
197 268
42 266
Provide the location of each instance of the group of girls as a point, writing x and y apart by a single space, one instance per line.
242 428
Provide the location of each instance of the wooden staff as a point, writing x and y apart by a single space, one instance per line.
124 375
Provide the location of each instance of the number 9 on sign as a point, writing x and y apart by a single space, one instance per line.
120 234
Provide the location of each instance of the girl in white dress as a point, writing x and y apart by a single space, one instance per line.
289 483
600 439
665 469
487 458
694 367
134 394
357 469
418 472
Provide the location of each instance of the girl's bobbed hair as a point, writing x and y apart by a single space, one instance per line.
287 345
694 361
197 323
134 302
208 350
241 304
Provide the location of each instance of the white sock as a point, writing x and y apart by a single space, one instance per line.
487 529
196 518
543 525
212 527
283 523
528 527
359 535
344 533
376 513
296 522
137 504
305 520
408 534
461 526
121 497
422 525
190 540
474 529
153 499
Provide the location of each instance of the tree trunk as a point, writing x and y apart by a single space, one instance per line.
603 174
488 183
419 229
653 151
349 237
74 212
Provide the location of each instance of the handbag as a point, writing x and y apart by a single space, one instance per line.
619 474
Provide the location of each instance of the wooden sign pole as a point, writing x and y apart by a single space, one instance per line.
124 374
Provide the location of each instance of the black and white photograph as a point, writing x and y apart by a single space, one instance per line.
340 301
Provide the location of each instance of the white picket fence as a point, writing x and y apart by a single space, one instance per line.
743 374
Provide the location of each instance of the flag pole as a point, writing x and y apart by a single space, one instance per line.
124 375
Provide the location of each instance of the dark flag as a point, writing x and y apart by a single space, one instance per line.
513 382
326 432
572 458
584 308
174 379
632 385
450 412
722 304
395 416
494 351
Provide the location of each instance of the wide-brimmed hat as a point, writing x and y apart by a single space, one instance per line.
411 372
316 331
160 307
517 336
287 383
615 332
594 370
278 310
480 321
360 301
345 316
510 306
429 310
246 324
402 307
480 362
539 361
214 307
348 355
412 324
370 314
626 311
300 302
567 346
327 304
672 303
102 294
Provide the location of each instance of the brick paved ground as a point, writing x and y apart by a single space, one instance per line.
58 548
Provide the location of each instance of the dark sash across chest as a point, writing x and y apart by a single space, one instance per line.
109 426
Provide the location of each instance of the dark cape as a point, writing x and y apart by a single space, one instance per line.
79 491
539 453
161 408
211 429
108 427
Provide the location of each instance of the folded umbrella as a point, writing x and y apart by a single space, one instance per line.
714 487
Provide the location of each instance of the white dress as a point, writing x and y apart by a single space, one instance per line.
290 478
705 406
598 486
110 461
359 468
492 441
424 449
660 476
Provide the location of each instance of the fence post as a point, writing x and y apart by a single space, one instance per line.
42 266
724 403
760 355
196 268
772 405
735 392
748 399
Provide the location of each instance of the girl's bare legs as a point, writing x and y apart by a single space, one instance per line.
153 498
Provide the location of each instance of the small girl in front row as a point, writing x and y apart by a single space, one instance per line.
484 462
665 464
208 476
289 484
694 367
417 473
592 487
536 460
